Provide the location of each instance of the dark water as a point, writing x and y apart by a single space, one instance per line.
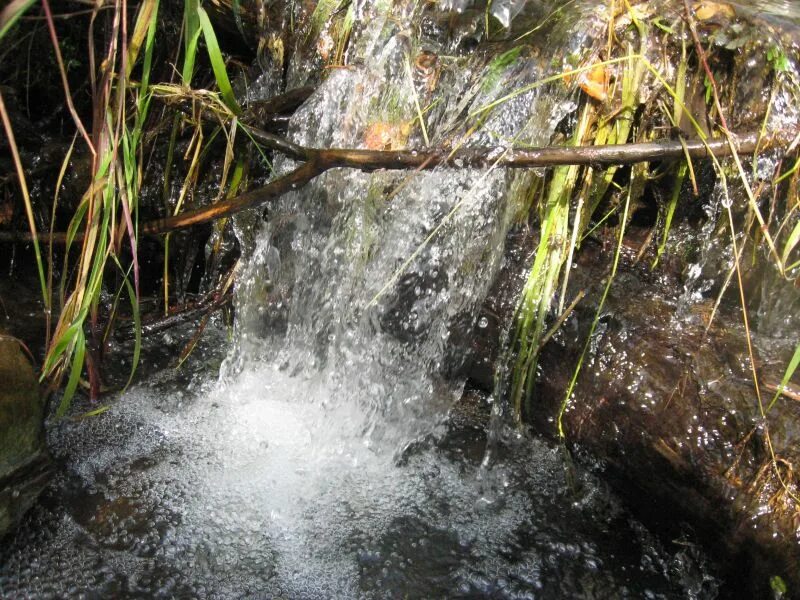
196 488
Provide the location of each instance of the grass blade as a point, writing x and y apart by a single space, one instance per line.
137 322
217 62
192 37
141 30
12 144
791 242
12 12
64 81
790 369
596 320
74 375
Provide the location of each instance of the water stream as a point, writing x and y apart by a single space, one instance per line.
322 452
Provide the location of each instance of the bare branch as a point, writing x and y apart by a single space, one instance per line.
318 161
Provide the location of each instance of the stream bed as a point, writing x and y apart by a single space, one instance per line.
255 488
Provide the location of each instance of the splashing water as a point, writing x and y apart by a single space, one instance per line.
261 488
326 460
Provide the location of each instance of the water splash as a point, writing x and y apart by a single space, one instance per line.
326 460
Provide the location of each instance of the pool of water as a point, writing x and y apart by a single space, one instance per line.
257 488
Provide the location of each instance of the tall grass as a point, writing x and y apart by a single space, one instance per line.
557 245
107 215
581 192
551 252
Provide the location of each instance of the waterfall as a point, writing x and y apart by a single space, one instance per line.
318 464
378 278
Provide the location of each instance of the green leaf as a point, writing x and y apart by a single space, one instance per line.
74 374
790 369
59 348
658 22
217 61
142 27
791 242
191 38
778 585
93 413
148 61
777 59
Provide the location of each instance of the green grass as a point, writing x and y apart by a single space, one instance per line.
12 13
109 209
537 294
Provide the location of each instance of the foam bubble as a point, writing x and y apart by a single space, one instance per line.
260 487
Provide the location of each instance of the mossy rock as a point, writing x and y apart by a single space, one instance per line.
24 463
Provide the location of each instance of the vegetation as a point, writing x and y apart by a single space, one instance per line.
134 108
121 133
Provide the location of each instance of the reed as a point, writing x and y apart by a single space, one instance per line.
104 228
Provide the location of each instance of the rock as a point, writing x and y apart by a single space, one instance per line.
669 414
498 309
24 462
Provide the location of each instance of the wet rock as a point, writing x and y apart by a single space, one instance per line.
24 463
498 309
671 415
669 412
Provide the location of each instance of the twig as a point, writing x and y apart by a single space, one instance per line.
788 391
318 161
206 307
265 111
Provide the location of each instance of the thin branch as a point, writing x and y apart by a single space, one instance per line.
552 156
292 181
189 313
319 161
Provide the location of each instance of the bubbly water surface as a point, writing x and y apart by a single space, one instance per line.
260 489
327 460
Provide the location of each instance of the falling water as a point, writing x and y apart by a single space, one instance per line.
327 460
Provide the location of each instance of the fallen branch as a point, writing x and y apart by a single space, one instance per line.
317 161
176 318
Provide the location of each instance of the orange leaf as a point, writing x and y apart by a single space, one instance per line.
707 10
594 82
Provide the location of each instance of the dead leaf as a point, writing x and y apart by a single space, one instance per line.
706 10
594 82
382 135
